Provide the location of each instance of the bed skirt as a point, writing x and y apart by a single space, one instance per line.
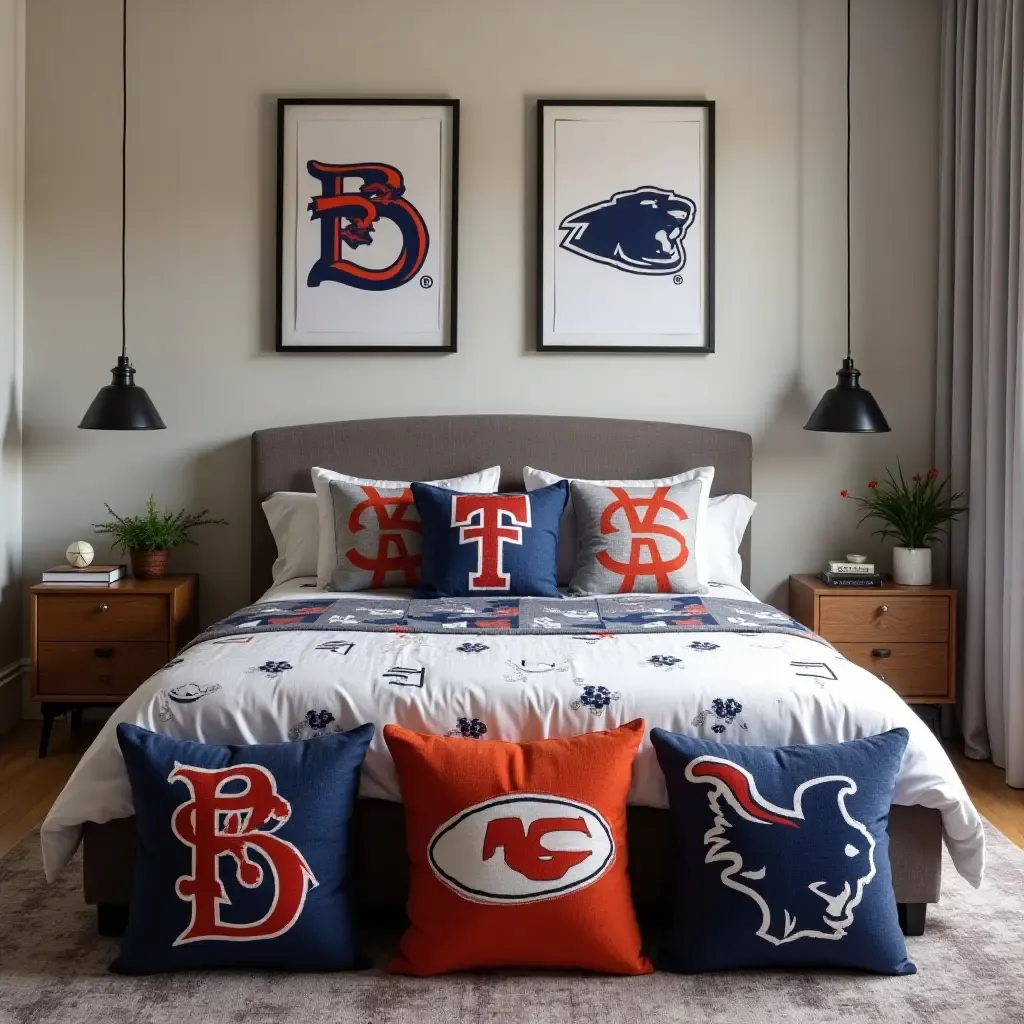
381 874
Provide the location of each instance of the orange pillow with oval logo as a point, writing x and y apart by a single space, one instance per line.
517 852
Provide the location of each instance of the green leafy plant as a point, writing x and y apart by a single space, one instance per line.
915 513
154 531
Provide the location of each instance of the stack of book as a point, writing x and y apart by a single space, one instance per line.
851 574
91 574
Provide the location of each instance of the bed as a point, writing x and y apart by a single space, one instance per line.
930 804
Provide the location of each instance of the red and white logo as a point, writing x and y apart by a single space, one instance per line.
647 554
521 848
228 828
392 554
490 521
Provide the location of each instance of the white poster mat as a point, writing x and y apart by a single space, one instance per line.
590 155
415 140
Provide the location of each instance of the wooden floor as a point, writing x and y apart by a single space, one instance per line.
29 784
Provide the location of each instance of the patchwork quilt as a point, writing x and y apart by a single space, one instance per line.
304 663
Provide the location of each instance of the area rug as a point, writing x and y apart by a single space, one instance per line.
53 969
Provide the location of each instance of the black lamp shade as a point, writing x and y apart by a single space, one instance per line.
122 404
848 408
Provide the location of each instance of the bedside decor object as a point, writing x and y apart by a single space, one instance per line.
904 635
94 644
914 514
859 567
848 408
87 574
149 538
850 579
122 404
367 224
625 225
79 554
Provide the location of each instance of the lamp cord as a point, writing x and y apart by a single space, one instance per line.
848 289
124 172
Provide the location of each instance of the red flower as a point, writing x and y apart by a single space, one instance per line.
844 494
932 474
872 484
916 478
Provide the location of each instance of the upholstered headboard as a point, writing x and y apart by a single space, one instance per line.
428 447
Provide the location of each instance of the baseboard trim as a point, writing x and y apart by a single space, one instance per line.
14 671
11 695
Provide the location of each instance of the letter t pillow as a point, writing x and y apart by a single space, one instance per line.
517 852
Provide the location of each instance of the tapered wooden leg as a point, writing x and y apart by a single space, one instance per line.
912 917
49 714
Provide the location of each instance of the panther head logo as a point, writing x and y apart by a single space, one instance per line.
816 884
640 231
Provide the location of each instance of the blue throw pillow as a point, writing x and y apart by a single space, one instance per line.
490 545
242 858
783 854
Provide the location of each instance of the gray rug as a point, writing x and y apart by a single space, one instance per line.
53 968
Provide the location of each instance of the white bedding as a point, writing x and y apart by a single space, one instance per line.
747 688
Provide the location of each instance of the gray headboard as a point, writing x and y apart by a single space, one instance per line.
428 447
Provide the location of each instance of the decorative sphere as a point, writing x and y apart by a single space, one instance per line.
80 554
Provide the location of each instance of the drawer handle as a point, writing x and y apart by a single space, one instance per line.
104 608
881 652
103 652
883 609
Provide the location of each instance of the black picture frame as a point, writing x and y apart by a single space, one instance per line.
450 305
544 201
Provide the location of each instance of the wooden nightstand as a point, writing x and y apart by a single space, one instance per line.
95 644
904 635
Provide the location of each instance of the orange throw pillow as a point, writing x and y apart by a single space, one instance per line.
517 852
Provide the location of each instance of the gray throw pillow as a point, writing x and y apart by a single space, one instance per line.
378 537
636 540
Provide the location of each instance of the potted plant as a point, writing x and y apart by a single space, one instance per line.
149 538
914 514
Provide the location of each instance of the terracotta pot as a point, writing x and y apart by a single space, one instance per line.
148 565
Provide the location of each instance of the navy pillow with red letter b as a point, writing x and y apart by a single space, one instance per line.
242 855
490 545
782 854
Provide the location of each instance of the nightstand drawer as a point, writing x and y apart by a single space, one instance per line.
96 669
95 616
883 618
912 670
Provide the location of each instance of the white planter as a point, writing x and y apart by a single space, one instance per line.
912 566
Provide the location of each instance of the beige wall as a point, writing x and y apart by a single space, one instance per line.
11 166
204 76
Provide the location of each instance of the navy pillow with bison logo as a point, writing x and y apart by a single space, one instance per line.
782 854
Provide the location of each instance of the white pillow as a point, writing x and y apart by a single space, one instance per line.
537 478
293 520
728 515
483 482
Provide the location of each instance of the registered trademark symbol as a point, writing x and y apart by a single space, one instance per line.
678 279
426 281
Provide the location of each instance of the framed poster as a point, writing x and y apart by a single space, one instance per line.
626 225
367 221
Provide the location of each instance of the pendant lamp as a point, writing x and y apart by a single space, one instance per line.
848 408
122 404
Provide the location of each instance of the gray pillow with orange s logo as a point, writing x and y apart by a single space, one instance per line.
637 540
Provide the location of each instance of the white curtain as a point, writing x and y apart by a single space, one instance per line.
980 379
